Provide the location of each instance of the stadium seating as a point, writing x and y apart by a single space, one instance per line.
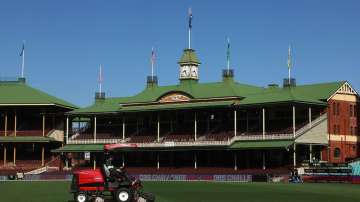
178 137
142 138
222 136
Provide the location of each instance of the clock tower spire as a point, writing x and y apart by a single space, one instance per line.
189 63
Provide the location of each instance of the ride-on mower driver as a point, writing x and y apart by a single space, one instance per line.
112 173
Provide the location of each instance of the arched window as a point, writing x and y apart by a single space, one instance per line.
337 153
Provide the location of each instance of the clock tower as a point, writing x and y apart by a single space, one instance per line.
189 66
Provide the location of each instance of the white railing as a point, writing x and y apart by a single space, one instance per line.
262 137
184 144
95 141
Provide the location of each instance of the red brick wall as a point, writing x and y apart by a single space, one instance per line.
342 122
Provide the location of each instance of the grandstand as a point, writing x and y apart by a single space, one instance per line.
31 125
216 127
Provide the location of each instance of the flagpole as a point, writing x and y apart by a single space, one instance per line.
228 55
189 38
23 64
152 63
190 26
23 60
289 62
100 80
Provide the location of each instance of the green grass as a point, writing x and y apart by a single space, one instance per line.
195 192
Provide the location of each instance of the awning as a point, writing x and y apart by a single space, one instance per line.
174 106
80 148
26 139
262 144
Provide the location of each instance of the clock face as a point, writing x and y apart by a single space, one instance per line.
189 72
185 72
194 72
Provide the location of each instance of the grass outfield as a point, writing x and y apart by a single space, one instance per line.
195 192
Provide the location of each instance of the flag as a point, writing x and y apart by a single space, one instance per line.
22 49
190 18
228 49
289 63
152 59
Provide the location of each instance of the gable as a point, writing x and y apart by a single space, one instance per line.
345 93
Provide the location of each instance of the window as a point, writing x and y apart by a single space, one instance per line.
334 129
355 111
351 111
351 130
337 108
337 153
334 108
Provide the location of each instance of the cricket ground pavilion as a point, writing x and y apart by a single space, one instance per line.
223 124
31 125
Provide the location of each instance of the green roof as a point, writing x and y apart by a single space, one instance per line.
26 139
81 148
315 94
19 93
193 89
263 144
189 57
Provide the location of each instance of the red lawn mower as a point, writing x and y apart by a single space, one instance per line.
95 185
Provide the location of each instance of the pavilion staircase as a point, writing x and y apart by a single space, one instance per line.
50 165
306 128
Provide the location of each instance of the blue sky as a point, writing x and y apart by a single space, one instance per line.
67 40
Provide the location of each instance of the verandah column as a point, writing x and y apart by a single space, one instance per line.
67 130
310 153
43 125
263 122
263 160
195 160
235 123
14 151
94 161
195 127
158 128
310 121
43 155
294 156
95 129
5 154
43 147
15 123
294 120
123 128
6 120
235 161
14 155
5 133
157 161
